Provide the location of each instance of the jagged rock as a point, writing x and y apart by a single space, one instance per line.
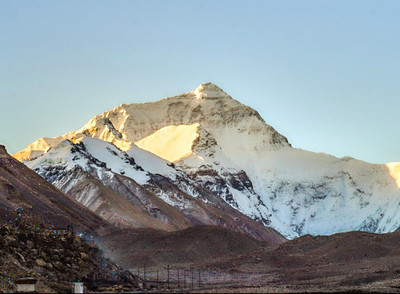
41 262
77 241
43 255
21 257
129 278
84 256
12 241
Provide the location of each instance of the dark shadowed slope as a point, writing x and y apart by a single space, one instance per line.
196 245
110 206
22 187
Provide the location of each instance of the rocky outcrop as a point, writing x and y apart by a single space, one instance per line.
55 257
3 149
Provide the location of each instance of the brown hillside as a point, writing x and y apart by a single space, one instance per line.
342 262
22 187
196 245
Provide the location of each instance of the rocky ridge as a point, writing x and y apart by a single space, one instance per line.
116 187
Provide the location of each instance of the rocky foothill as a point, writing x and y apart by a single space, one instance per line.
56 257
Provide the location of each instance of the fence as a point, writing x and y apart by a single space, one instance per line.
189 278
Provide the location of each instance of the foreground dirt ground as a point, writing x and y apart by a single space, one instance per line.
349 262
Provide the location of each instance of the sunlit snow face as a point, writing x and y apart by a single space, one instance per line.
171 143
394 170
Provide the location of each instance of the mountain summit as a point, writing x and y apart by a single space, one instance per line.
177 122
203 150
209 90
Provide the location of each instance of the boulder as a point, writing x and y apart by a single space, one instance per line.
127 277
11 241
41 262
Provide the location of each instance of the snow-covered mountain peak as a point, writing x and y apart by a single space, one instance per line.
207 143
194 119
209 90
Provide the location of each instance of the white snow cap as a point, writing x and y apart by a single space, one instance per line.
209 90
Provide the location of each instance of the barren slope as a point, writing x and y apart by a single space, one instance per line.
196 245
21 187
341 262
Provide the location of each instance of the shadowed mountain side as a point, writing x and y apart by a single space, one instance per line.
148 202
125 203
109 205
89 170
22 187
215 211
195 245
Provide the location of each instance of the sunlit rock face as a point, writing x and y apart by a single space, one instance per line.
207 146
37 148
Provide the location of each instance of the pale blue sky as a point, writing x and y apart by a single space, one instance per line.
323 73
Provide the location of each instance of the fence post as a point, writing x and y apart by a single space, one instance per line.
179 285
157 280
199 278
168 276
192 279
73 253
184 278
